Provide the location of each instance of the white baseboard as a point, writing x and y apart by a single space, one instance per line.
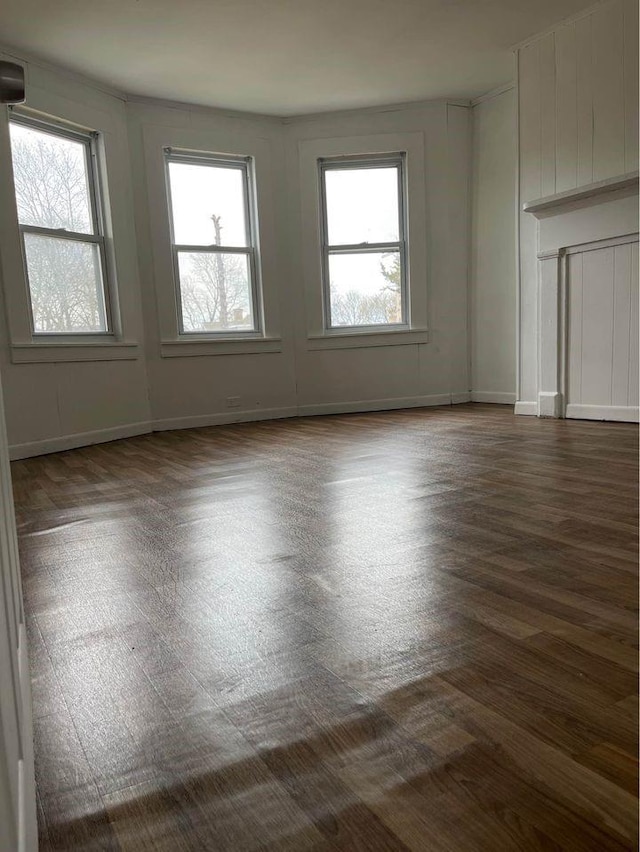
460 398
624 413
223 419
529 408
382 404
81 439
496 397
550 404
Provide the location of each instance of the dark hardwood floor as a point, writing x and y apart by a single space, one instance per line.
411 630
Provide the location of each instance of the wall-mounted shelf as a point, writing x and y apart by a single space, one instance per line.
627 181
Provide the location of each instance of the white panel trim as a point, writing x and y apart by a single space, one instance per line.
624 413
526 408
497 397
354 340
207 346
81 439
600 244
54 353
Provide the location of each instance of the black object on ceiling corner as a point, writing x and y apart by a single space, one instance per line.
11 83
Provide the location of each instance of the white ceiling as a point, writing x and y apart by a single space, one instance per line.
283 57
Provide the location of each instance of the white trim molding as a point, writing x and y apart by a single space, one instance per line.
54 352
223 419
362 406
627 183
80 439
310 153
263 154
526 408
358 339
225 346
19 828
84 439
110 123
460 398
493 93
551 333
623 413
550 404
495 397
593 217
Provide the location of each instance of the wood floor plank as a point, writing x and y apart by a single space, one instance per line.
407 630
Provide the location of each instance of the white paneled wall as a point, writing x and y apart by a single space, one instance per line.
579 101
578 123
493 250
602 291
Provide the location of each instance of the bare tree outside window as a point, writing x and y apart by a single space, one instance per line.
214 288
383 307
363 240
62 248
212 250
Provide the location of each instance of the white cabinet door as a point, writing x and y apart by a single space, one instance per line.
18 826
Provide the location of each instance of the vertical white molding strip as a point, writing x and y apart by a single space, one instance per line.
551 331
18 826
517 229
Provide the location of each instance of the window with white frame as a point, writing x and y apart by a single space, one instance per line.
363 242
61 226
213 236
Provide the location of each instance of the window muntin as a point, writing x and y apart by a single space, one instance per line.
213 243
363 243
61 227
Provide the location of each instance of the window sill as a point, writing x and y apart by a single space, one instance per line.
370 339
225 346
52 352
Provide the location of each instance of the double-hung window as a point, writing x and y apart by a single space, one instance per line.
364 245
213 237
61 226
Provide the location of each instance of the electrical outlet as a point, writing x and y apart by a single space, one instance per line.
233 402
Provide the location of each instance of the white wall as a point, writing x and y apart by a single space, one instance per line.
416 373
578 123
54 405
51 404
192 389
493 249
577 108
